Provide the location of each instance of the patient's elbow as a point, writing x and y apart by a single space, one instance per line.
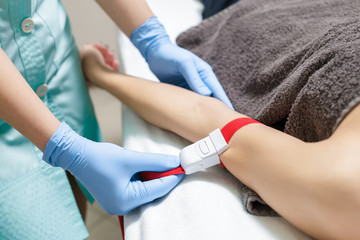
213 108
206 105
205 114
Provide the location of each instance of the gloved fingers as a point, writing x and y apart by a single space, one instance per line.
192 77
221 95
218 92
154 162
151 190
209 77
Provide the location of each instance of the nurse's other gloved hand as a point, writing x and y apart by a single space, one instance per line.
106 170
173 64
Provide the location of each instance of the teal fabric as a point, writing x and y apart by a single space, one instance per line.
37 213
30 191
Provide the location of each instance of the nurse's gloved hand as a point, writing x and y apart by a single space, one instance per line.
173 64
106 170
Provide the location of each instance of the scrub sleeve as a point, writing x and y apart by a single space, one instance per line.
36 201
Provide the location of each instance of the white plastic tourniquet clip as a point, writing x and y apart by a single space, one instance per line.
203 153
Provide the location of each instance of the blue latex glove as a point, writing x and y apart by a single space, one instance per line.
106 170
173 64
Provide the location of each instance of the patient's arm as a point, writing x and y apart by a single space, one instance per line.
306 183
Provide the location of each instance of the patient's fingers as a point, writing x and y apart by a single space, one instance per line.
108 56
115 65
101 48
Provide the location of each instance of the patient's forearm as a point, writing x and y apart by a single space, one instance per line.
169 107
301 181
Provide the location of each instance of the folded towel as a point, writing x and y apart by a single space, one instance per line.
290 64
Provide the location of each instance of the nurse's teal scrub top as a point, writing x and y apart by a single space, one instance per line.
36 201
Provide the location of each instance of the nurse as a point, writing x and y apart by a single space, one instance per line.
48 124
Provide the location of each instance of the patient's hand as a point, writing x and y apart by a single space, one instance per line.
96 58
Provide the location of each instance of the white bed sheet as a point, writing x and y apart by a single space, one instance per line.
205 205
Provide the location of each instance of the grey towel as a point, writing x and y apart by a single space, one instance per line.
291 64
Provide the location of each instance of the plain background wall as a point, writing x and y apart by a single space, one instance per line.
90 24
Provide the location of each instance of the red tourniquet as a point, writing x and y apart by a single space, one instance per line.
231 128
227 131
147 176
121 221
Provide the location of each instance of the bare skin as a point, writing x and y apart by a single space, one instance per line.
313 185
19 111
127 15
